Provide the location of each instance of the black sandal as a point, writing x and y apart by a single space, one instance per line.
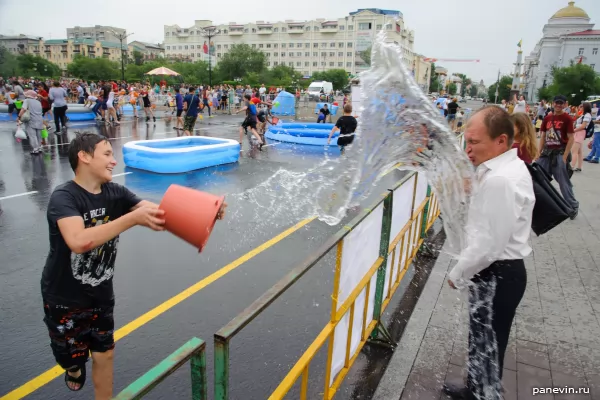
79 380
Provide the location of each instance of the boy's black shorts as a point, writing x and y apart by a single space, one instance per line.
74 332
249 123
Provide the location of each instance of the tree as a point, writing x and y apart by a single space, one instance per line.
138 57
31 65
434 80
94 68
337 77
473 91
465 81
280 76
577 79
8 63
452 88
241 60
366 55
503 90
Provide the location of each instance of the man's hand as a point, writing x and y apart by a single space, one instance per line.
221 213
565 158
149 217
451 284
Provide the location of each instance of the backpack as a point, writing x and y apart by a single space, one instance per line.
589 130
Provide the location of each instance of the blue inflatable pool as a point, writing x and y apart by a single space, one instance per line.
181 154
310 133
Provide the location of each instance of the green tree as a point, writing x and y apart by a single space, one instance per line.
503 89
452 88
8 63
434 80
366 55
281 76
465 81
473 91
577 79
94 68
240 60
337 77
30 65
138 57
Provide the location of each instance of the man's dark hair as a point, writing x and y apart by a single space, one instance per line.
587 107
497 121
191 90
55 84
85 141
247 96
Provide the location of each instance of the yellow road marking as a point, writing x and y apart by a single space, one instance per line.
54 372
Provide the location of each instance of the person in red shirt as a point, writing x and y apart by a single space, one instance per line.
43 98
525 140
556 139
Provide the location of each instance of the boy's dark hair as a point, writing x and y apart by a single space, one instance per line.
191 90
86 142
247 96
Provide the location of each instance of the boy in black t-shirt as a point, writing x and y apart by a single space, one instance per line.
323 113
346 124
85 217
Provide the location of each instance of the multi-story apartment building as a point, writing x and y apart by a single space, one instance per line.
98 32
63 51
19 44
151 51
308 46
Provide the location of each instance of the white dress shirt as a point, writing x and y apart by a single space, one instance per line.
499 221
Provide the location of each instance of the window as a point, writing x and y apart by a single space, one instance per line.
291 45
340 64
388 27
332 54
306 64
299 45
275 63
340 54
593 66
283 54
349 54
348 64
224 31
350 27
199 55
275 45
315 63
225 46
307 54
298 64
268 63
260 46
283 29
315 44
581 51
594 51
253 46
275 54
167 34
245 30
349 45
276 30
332 44
364 26
179 47
218 47
324 54
253 30
342 27
323 63
315 54
218 54
291 64
283 45
268 54
323 44
379 27
307 45
307 28
341 44
268 45
317 29
192 54
168 47
331 64
299 54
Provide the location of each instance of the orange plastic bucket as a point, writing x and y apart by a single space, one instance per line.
190 214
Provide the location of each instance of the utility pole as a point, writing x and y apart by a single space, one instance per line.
121 37
497 86
209 32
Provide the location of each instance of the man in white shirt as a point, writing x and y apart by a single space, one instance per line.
520 105
262 90
491 266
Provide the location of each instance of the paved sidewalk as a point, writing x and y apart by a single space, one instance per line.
555 341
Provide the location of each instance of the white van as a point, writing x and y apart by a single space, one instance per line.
318 87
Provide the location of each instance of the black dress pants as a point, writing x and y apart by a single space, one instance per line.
493 299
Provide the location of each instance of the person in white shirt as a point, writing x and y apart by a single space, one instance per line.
262 90
491 267
520 105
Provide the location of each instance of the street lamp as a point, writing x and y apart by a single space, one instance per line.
121 37
209 32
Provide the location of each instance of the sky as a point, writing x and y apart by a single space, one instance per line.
488 30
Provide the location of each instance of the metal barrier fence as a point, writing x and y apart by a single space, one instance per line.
193 350
366 277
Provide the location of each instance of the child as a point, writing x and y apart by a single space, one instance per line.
90 101
250 121
10 98
323 113
459 118
346 124
538 125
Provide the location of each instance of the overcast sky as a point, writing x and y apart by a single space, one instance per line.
488 30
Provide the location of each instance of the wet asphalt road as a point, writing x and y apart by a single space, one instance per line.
153 267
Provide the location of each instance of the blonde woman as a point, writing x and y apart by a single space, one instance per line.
525 138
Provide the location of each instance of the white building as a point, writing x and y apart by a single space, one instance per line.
97 32
308 46
568 37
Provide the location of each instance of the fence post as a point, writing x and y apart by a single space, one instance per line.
426 213
384 245
199 384
221 369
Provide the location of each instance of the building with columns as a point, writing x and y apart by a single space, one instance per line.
307 46
568 37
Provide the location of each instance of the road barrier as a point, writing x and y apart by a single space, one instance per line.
373 254
193 350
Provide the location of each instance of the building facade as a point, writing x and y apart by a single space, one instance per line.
151 51
568 37
19 44
98 32
307 46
